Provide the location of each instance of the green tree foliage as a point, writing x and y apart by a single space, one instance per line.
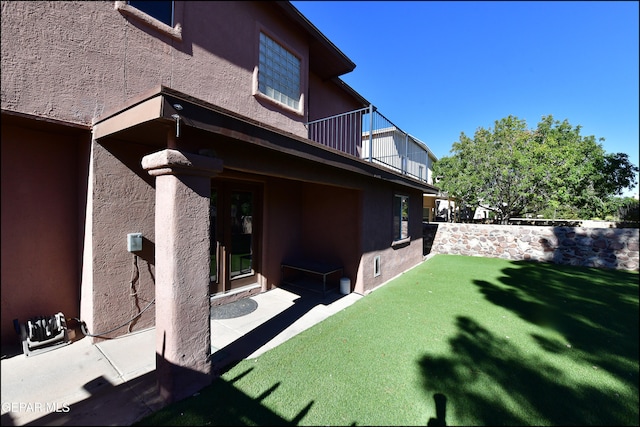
629 210
513 170
623 209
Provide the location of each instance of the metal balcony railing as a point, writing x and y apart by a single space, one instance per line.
369 135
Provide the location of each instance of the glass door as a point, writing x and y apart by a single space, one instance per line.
241 259
213 238
234 216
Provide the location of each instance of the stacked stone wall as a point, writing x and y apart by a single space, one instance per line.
615 248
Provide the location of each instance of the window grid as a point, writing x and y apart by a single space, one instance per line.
278 73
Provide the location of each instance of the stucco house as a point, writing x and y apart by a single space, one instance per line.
156 161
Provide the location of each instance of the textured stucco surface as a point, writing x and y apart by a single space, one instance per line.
377 236
78 61
183 338
122 201
42 188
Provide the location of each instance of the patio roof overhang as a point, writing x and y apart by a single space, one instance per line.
150 120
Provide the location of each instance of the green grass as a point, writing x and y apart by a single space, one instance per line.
503 342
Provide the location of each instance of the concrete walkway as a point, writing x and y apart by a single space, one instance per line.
113 382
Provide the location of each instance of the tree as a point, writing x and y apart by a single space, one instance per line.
513 170
624 209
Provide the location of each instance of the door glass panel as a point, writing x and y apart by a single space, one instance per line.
241 234
400 217
213 250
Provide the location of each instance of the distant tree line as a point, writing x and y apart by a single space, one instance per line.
550 171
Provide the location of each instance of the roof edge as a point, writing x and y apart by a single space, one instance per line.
297 16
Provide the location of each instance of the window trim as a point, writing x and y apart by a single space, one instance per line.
377 270
255 91
402 239
174 32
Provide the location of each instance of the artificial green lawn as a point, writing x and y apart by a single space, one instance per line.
502 342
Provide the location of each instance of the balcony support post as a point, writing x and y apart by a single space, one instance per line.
370 133
405 165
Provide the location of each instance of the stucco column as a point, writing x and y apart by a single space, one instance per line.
183 337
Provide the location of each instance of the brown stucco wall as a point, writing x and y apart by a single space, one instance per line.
282 221
122 201
340 224
182 218
330 229
328 222
82 60
309 221
327 99
98 61
377 236
43 200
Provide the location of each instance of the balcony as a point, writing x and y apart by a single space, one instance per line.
370 136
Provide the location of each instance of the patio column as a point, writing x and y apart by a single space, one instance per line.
183 337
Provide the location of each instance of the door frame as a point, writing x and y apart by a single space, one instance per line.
221 242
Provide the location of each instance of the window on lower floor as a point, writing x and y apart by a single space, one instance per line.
400 217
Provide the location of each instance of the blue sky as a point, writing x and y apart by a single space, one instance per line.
436 69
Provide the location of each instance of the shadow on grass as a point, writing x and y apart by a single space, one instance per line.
224 404
221 402
594 311
229 356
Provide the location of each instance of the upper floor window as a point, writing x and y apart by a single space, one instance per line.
400 217
164 16
160 10
278 73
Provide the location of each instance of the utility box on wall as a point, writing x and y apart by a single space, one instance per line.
134 242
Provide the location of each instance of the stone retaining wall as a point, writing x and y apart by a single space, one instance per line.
585 246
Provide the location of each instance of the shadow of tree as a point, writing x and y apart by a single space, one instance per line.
229 356
219 404
223 404
601 320
593 247
494 382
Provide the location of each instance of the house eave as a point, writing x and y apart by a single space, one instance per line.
44 123
325 58
151 121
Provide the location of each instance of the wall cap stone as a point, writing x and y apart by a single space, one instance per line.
174 162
